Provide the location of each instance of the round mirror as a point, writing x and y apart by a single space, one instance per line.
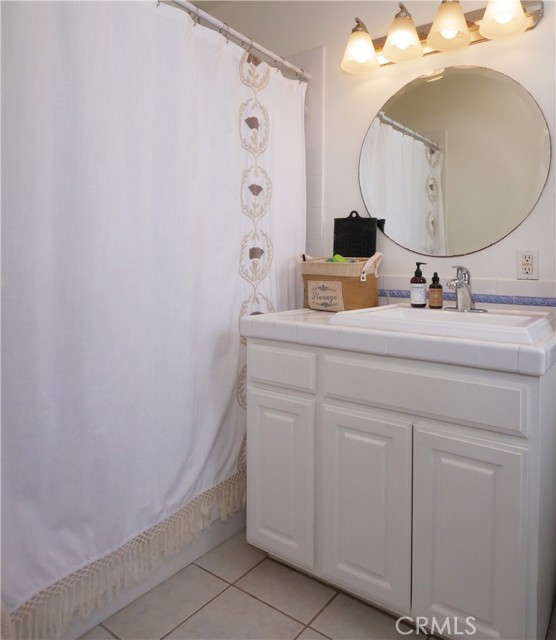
455 161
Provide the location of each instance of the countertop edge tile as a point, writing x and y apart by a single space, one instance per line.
265 329
422 347
325 336
286 331
531 360
305 326
362 340
499 356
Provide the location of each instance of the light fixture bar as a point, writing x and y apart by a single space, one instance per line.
534 10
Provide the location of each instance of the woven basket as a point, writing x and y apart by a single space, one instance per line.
340 286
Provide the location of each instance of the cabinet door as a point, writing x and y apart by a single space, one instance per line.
280 474
469 535
366 503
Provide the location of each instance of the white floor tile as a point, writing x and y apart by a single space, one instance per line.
269 602
232 559
349 619
155 614
234 615
293 593
311 634
96 633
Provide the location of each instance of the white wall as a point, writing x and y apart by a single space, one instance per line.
351 101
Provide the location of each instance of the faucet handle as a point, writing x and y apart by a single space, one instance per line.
462 273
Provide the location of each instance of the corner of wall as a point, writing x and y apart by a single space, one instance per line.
313 61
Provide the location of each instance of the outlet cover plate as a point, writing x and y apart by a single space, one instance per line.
527 264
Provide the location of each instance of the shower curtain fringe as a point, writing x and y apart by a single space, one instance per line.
50 612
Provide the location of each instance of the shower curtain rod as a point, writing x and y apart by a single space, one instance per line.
246 43
407 131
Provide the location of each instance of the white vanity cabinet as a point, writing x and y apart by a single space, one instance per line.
423 487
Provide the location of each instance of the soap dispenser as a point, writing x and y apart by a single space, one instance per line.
435 293
418 288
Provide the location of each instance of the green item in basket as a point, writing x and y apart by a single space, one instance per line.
337 258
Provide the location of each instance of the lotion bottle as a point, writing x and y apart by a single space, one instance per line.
418 288
435 293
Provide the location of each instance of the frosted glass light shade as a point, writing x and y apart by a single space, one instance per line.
449 29
360 54
402 43
503 18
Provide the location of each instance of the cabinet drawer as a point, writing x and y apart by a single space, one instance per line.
289 368
498 401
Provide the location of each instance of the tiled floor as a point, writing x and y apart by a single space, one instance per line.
235 592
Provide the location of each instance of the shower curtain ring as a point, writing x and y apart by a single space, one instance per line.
250 45
197 18
227 31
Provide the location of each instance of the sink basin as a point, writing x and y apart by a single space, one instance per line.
496 326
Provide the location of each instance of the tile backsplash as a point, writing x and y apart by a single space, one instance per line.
530 293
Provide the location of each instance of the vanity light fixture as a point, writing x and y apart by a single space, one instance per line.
503 18
360 53
402 43
451 29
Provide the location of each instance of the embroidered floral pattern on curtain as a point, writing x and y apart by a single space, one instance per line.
256 253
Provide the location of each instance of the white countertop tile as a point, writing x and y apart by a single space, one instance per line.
305 326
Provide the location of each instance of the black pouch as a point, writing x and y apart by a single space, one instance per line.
355 236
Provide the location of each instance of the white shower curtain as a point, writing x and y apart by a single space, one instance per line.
402 182
153 192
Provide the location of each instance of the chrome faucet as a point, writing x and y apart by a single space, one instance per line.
464 298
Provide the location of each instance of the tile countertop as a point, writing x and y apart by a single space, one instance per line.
305 326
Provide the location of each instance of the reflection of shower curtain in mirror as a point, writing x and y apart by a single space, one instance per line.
411 199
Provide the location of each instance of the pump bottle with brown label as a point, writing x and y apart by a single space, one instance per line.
418 288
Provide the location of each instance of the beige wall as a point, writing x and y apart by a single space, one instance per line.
351 101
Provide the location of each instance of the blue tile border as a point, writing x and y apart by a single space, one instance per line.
537 302
480 297
393 293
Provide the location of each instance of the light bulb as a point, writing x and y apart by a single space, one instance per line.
359 50
403 40
449 34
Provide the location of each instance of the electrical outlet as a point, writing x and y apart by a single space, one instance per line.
527 264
